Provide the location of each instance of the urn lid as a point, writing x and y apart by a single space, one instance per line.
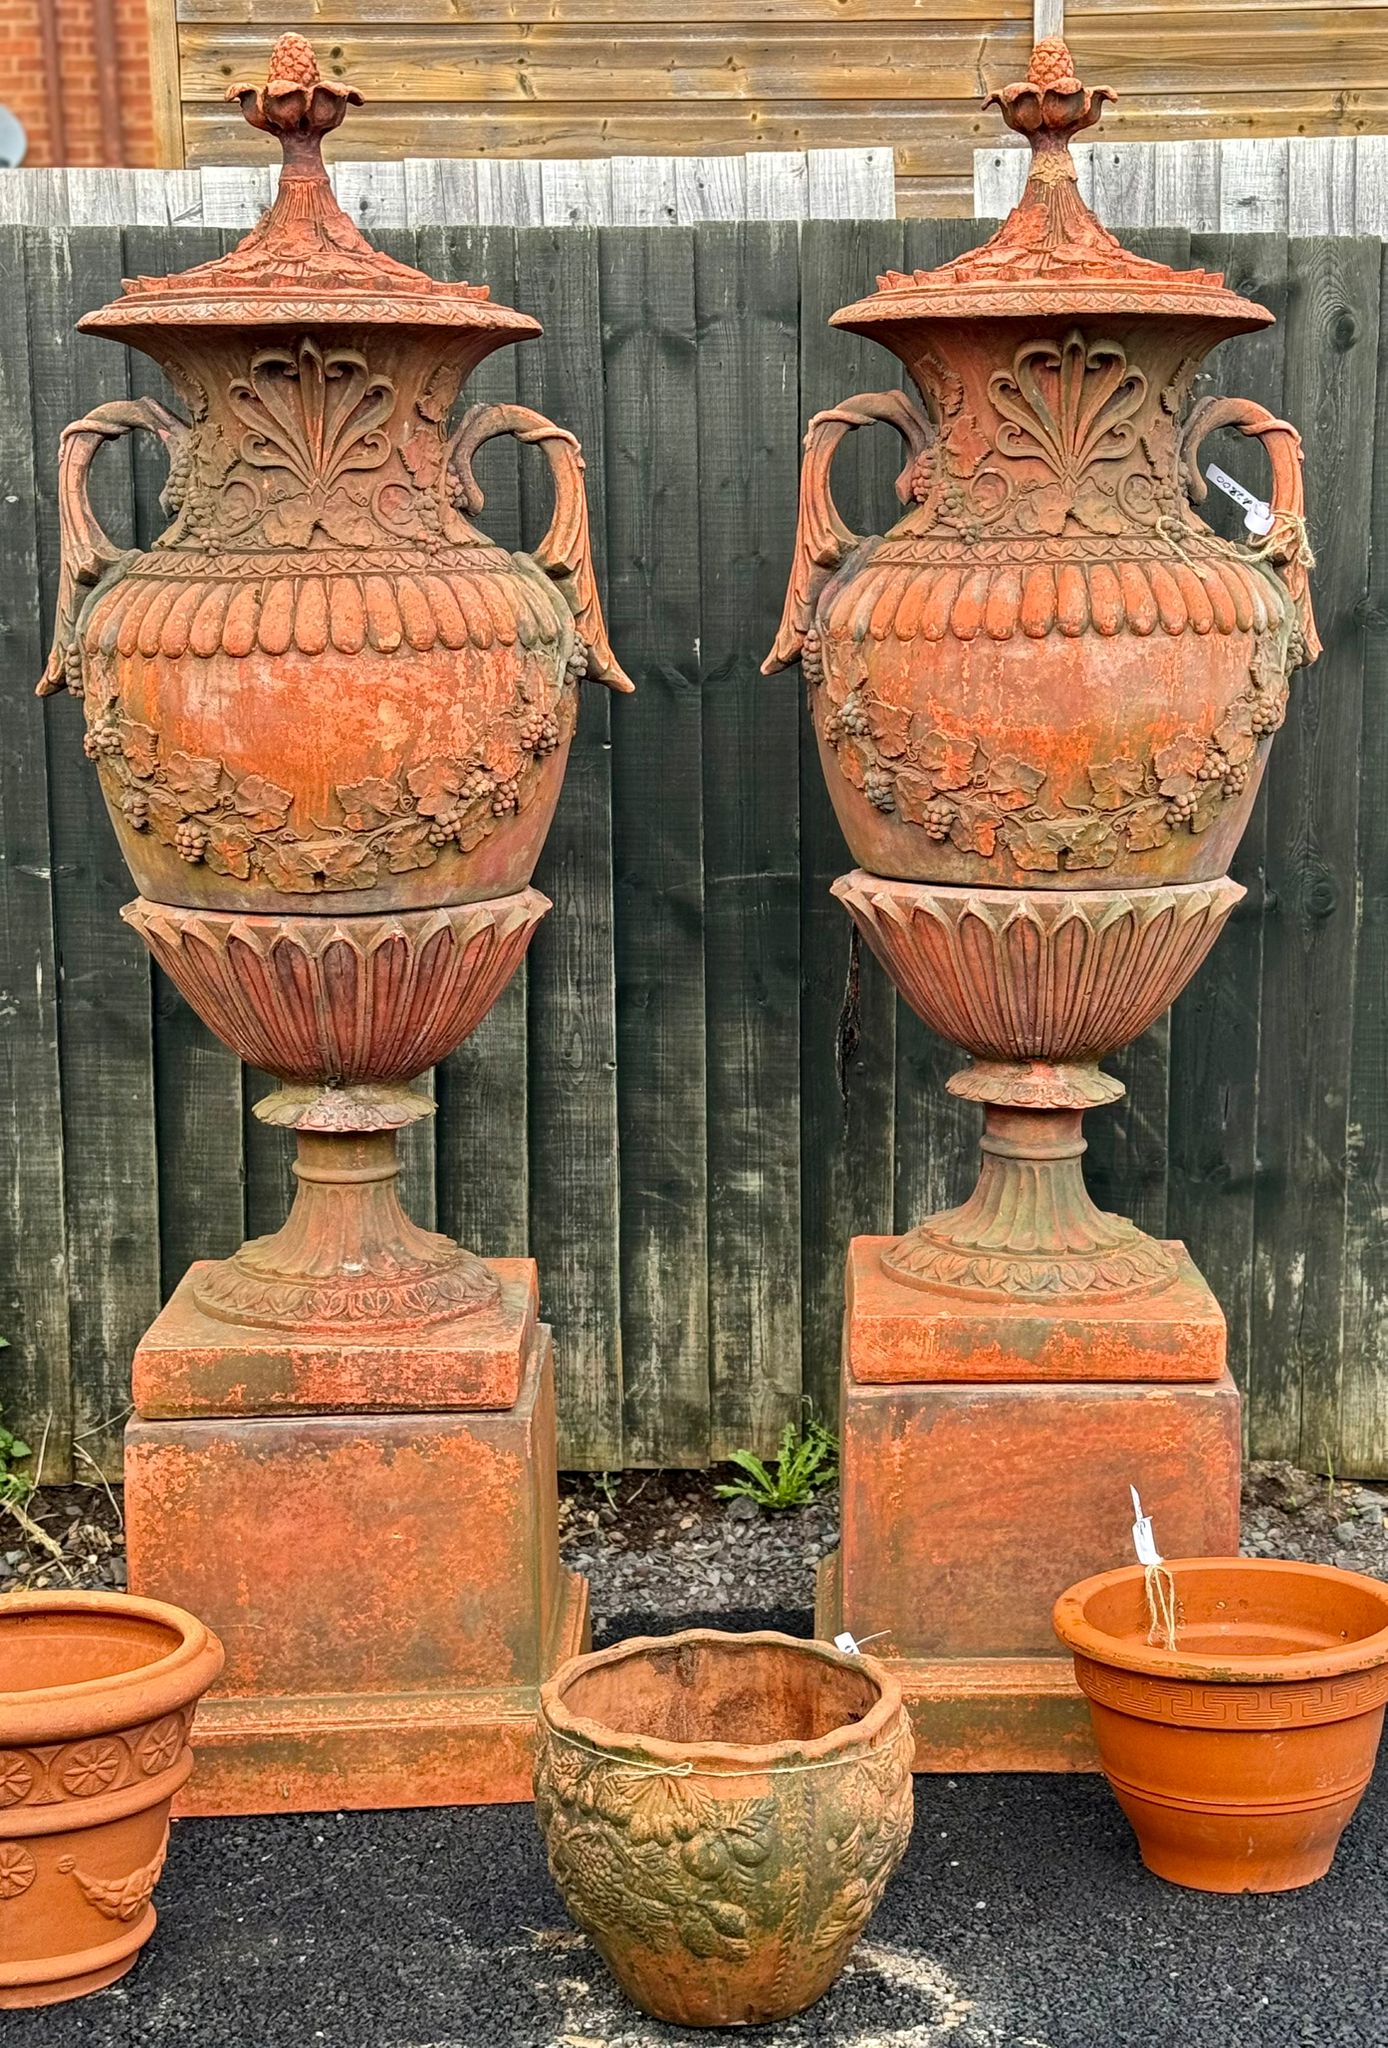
1051 255
304 262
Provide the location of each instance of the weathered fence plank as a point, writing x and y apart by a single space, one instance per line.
574 1152
35 1371
651 456
105 1039
1313 870
654 1108
848 1135
747 287
1216 1027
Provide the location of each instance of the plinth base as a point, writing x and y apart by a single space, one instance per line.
979 1713
968 1506
387 1585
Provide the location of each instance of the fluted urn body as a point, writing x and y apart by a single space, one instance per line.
323 687
1050 672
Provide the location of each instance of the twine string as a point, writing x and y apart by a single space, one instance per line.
1274 545
629 1767
1160 1589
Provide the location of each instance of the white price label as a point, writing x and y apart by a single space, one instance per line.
1257 513
1144 1542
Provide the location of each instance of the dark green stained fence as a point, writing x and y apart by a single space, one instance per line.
653 1108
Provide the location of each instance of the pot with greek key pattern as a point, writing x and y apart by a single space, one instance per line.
722 1814
97 1696
1240 1755
1050 673
323 688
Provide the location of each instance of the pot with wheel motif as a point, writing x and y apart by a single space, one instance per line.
1050 673
323 688
722 1814
97 1695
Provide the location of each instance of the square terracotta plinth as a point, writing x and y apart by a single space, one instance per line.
899 1333
387 1586
966 1509
188 1363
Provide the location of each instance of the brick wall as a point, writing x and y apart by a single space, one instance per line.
23 87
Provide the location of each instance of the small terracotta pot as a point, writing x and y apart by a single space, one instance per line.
722 1813
1240 1755
97 1692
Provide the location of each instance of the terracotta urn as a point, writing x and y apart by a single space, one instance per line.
1044 698
722 1814
322 688
97 1693
329 716
1240 1755
1050 672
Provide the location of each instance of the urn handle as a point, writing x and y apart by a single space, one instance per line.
565 554
86 553
821 538
1286 545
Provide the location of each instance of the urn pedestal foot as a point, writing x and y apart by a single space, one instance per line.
970 1497
372 1529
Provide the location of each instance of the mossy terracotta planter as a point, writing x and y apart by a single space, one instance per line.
1240 1755
97 1693
722 1814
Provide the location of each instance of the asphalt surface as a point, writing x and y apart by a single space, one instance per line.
1021 1918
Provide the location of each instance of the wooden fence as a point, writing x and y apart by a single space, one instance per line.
516 192
1271 184
653 1109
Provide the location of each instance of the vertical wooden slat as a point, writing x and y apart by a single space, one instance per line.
35 1378
1358 1430
748 287
651 458
1125 183
847 1149
1185 185
1216 1026
373 195
1253 186
850 184
1320 185
165 87
778 185
104 1007
197 1079
577 194
710 188
481 1143
1371 185
1313 792
644 191
573 1100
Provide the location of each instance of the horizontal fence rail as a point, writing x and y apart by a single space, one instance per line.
653 1108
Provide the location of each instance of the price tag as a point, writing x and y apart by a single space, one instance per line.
1144 1542
1257 513
850 1644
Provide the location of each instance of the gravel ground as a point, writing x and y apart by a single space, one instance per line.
664 1543
1020 1918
